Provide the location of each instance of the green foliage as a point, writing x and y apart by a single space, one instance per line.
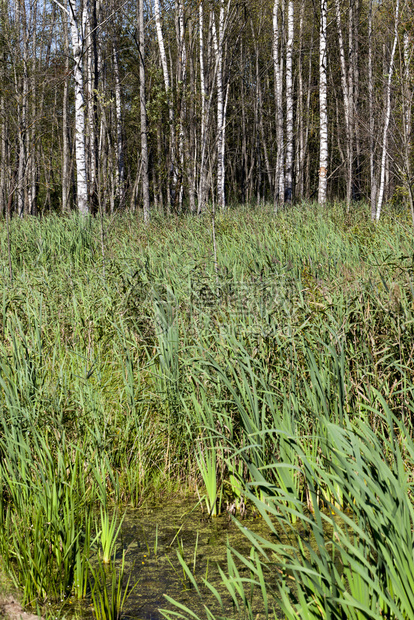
290 367
109 601
344 555
108 534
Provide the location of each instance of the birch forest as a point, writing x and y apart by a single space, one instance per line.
170 106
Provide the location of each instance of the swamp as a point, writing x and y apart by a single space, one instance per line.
209 418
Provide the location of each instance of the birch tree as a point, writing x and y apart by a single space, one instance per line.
218 40
203 112
407 99
120 172
387 115
77 28
278 71
289 106
77 21
323 105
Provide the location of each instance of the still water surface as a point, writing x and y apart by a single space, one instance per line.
152 535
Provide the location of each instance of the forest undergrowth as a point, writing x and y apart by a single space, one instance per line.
276 374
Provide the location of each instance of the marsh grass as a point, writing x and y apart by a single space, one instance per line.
206 459
108 534
278 362
109 593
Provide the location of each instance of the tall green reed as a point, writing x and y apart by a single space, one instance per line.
342 556
109 599
84 357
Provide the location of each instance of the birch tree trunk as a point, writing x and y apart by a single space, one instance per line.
77 34
387 116
218 41
256 148
143 113
120 171
407 97
277 64
323 106
289 108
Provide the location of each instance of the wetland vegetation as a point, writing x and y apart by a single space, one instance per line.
269 373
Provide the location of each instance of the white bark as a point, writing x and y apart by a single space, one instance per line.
289 108
218 41
120 172
161 45
387 116
208 97
407 97
277 64
77 35
323 107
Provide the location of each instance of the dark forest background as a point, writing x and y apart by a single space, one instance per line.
170 107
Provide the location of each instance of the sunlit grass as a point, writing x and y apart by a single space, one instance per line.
252 381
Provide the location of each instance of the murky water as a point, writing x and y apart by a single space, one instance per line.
151 537
154 534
